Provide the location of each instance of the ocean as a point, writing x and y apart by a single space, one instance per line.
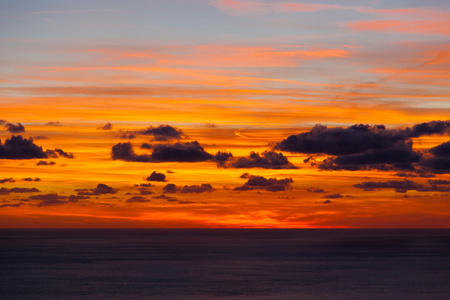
225 264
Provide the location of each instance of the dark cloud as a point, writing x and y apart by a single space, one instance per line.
315 190
53 123
107 126
146 146
145 191
6 191
137 199
31 179
365 147
45 163
170 188
162 133
99 190
49 199
222 157
327 202
11 205
164 197
260 182
155 176
429 128
401 186
437 159
73 198
267 160
399 156
15 128
333 196
179 152
206 187
341 141
18 147
3 122
438 181
58 153
5 180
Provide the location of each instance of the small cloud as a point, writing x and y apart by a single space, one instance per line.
164 197
197 188
333 196
170 188
6 191
53 123
45 163
31 179
99 190
107 126
5 180
315 190
260 182
137 199
15 128
155 176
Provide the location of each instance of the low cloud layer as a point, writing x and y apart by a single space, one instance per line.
402 186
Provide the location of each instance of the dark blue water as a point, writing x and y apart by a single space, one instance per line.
224 264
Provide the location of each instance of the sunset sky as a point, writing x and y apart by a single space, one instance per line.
225 113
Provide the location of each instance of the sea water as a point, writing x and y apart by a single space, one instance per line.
225 264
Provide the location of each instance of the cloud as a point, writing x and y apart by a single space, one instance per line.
45 163
4 180
438 159
15 128
11 205
365 147
438 181
315 190
155 176
401 186
260 182
333 196
179 152
137 199
3 122
429 128
53 123
18 147
49 199
162 133
164 197
31 179
6 191
107 126
267 160
57 153
170 188
206 187
99 190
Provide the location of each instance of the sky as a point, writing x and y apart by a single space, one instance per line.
224 113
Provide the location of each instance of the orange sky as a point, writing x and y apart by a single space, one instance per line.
236 77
